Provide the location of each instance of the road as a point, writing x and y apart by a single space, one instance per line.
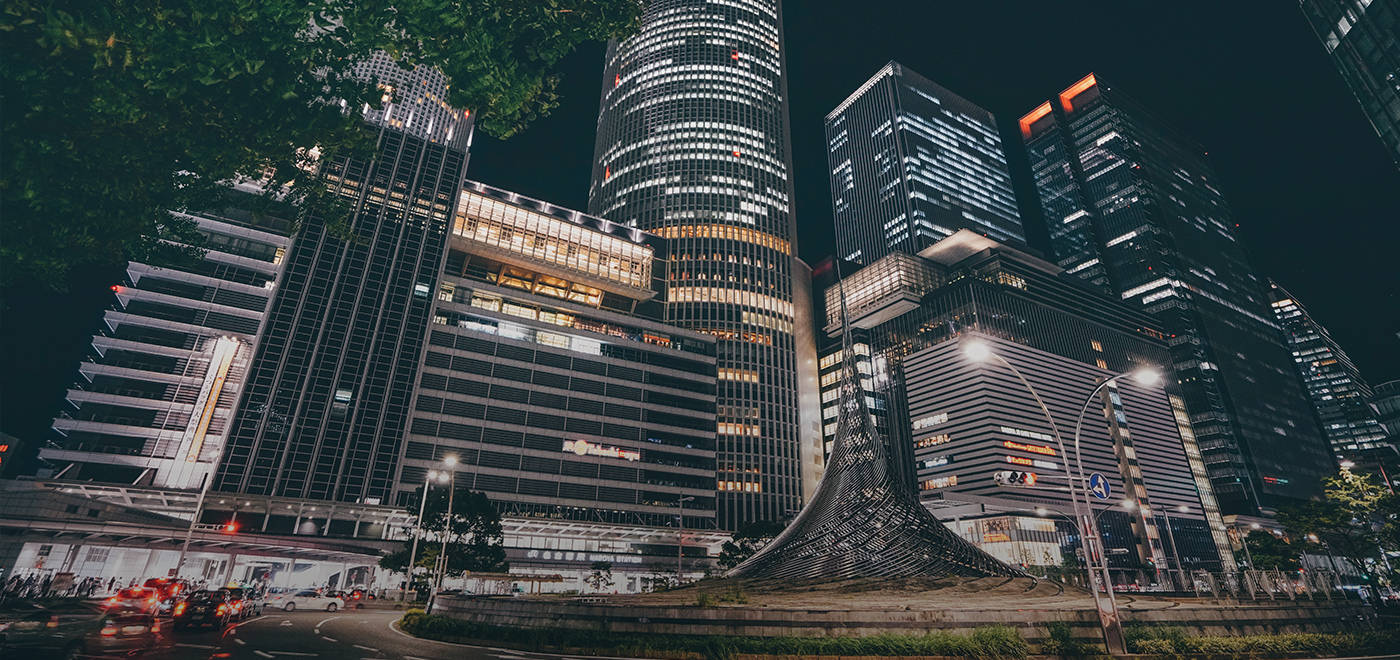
348 635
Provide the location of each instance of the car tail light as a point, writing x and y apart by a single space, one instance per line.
179 609
109 630
223 608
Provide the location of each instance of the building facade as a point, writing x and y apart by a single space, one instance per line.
1386 399
693 146
964 421
328 395
1339 394
911 163
1135 210
1363 39
154 401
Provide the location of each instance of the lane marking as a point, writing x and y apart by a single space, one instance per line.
239 641
196 646
285 623
329 639
296 653
262 654
326 620
371 649
413 657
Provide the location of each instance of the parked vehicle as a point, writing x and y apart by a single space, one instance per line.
204 608
245 603
72 629
307 599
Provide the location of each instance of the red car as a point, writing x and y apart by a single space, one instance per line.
139 599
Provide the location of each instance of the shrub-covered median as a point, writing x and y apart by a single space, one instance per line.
989 642
1175 643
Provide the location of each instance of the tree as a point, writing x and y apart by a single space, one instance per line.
1345 521
1269 552
747 540
118 112
601 577
475 541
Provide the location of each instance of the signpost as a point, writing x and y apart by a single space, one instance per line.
1099 487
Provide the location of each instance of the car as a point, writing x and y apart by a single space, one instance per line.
243 603
142 599
203 608
307 599
76 628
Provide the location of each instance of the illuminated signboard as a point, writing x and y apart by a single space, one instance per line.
1034 449
993 537
940 482
933 440
1019 461
1275 480
586 448
938 461
931 420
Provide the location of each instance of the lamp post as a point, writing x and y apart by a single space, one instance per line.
680 533
450 462
980 351
1171 536
418 531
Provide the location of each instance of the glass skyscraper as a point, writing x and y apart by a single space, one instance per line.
1363 38
1134 209
692 145
327 400
911 163
1338 392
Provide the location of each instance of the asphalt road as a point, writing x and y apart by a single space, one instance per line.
346 635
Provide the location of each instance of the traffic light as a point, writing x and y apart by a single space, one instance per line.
1014 478
231 527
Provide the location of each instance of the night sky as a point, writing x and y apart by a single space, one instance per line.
1315 193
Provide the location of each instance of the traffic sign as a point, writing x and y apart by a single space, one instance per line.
1098 486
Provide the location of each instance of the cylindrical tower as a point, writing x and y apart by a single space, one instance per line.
693 145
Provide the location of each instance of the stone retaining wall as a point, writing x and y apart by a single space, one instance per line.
755 621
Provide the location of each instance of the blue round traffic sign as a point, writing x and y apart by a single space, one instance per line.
1098 486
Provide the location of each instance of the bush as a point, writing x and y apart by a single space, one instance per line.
1062 642
990 642
1175 643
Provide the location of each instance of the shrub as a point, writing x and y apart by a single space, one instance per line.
703 599
1063 643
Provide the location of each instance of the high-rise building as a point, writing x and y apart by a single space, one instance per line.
911 163
693 146
1134 209
552 380
1363 38
153 402
1339 394
964 421
1386 399
327 401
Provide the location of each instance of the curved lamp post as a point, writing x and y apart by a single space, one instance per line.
980 351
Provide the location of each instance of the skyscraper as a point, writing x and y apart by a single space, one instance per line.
327 401
911 163
154 402
692 145
1339 394
1134 208
1363 38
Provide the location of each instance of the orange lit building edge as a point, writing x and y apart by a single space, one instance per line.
1033 117
1075 90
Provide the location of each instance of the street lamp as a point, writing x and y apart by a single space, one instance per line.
978 350
418 530
450 462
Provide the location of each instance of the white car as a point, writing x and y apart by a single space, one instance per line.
306 600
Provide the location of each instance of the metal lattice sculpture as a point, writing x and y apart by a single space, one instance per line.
864 521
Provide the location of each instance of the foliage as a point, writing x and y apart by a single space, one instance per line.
474 536
747 540
1175 643
988 642
1270 552
117 112
1345 521
601 577
1060 641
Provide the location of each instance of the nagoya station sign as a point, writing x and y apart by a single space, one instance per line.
586 448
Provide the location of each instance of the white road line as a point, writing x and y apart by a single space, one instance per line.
239 641
262 654
328 639
197 646
413 657
296 653
371 649
326 620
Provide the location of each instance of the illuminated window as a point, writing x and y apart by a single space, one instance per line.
740 375
727 232
1101 363
1096 344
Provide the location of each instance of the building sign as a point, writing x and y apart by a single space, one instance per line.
1275 480
1019 460
940 482
930 421
938 461
1034 449
933 441
993 537
1033 435
586 448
